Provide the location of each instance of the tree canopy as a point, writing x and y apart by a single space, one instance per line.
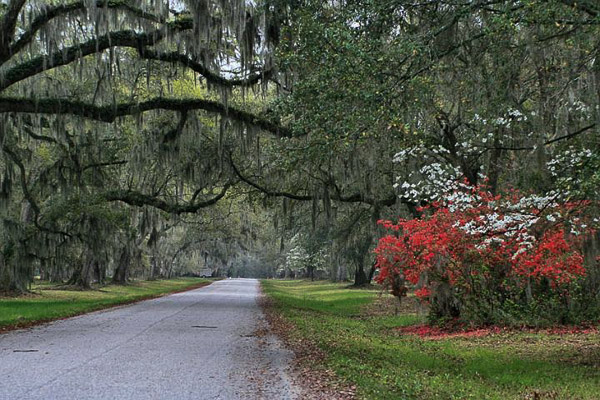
145 137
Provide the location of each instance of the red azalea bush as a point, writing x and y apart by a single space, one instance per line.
489 259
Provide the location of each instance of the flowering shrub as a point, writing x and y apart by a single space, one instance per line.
474 253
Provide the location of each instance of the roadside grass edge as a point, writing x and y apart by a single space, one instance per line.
100 306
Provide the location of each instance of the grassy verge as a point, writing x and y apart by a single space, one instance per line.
45 303
363 347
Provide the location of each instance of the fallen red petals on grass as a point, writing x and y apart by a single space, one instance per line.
432 332
437 333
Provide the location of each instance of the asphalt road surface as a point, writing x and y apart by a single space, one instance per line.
201 344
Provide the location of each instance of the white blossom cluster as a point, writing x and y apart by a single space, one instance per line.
500 227
405 154
568 160
505 120
508 220
535 201
579 106
298 257
467 148
429 183
418 151
488 137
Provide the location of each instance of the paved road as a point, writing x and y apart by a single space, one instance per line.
199 344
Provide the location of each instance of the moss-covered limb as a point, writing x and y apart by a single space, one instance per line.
210 76
8 24
23 178
126 38
44 138
111 112
104 164
12 154
336 196
138 199
51 12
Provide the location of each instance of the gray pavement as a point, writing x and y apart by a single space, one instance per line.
199 344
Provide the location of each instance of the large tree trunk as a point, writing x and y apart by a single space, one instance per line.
591 251
121 274
10 279
360 277
444 304
56 274
155 268
81 276
83 273
44 270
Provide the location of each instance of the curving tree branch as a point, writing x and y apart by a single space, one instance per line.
548 142
138 199
354 198
110 113
126 38
123 38
51 12
8 24
27 193
210 76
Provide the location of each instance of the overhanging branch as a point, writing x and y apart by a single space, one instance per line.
138 199
8 24
51 12
548 142
126 38
354 198
111 112
195 66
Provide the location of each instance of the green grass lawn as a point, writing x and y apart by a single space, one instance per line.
45 303
363 347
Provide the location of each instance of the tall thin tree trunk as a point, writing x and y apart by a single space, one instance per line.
99 272
342 273
372 272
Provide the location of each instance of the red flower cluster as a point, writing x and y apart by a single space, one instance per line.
475 240
553 258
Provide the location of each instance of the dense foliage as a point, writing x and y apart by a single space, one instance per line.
494 258
151 138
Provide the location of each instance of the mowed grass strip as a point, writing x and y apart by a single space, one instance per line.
364 348
45 303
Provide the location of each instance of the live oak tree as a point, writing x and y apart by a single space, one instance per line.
109 105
